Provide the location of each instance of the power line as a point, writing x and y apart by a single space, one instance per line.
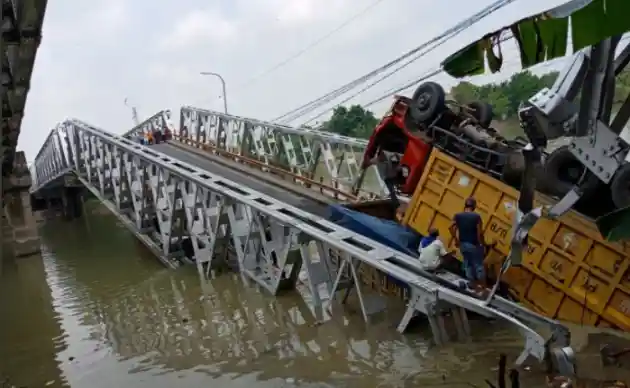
436 41
394 91
420 55
453 31
304 50
435 72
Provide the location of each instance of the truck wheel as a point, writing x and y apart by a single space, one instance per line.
483 112
562 171
428 102
620 187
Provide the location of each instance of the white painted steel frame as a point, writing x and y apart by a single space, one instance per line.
157 122
299 150
272 241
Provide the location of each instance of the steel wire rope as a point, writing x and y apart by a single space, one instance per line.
448 34
396 89
312 45
381 79
435 72
410 83
407 85
431 74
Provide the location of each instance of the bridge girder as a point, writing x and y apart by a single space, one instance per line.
22 22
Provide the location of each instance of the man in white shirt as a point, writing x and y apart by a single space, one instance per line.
432 250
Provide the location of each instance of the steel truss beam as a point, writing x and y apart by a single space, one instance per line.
304 152
159 121
167 202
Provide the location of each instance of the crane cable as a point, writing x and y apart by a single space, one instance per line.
409 84
395 89
387 94
431 74
450 33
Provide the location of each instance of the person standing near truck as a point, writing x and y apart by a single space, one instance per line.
467 229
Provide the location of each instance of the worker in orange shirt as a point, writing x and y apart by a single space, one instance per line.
149 137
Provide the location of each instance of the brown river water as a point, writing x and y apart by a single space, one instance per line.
96 310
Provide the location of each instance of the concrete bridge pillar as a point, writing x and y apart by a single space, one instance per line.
20 236
72 201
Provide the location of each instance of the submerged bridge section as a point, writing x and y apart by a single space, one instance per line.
185 212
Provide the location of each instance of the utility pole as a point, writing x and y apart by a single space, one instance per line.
225 109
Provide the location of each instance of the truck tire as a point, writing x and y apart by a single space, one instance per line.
562 171
428 102
483 112
620 187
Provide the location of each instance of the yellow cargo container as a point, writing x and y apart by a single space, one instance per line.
569 273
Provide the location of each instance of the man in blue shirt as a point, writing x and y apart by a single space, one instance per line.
467 229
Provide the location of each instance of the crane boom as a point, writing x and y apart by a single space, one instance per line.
134 113
134 116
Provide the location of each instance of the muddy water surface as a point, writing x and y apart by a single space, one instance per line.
96 310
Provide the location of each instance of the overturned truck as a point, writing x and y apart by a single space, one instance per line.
539 208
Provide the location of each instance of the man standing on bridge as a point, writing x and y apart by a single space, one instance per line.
467 229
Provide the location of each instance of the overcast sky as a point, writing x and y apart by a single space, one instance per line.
96 53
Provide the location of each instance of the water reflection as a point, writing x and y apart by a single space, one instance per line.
129 322
30 332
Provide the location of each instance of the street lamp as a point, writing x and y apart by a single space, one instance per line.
222 85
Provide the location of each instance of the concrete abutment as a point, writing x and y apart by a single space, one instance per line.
20 236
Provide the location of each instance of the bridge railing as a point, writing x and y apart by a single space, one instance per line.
171 205
159 121
311 157
54 159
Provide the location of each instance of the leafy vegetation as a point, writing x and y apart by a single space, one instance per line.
505 97
355 121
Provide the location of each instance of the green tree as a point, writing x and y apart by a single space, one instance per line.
465 92
354 121
505 97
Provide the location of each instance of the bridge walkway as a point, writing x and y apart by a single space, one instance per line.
305 199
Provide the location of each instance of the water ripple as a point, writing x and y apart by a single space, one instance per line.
114 317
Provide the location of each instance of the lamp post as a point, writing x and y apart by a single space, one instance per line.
225 109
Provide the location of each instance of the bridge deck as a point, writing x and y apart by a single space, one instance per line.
248 177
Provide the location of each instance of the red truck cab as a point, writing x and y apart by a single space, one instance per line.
392 135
